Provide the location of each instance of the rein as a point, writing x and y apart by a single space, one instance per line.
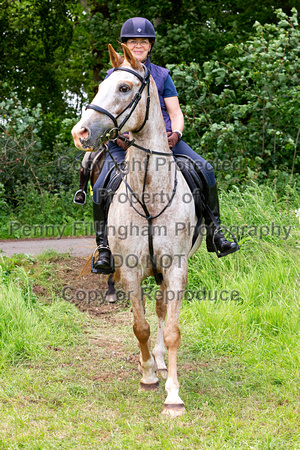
109 134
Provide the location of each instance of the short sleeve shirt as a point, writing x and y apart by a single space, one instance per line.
169 88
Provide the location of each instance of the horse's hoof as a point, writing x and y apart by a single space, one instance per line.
139 368
163 373
149 387
111 298
175 410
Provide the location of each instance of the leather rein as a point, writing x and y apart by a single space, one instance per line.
113 133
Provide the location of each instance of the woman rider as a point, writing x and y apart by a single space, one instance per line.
139 35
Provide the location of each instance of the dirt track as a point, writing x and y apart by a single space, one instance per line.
88 291
81 246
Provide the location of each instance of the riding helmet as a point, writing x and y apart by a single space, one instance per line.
137 27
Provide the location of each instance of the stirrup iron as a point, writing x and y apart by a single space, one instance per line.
229 251
77 192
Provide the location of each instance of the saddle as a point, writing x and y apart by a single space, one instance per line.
198 187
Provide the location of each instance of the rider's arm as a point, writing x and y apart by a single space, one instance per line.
171 100
175 113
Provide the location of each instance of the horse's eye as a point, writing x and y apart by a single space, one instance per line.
124 88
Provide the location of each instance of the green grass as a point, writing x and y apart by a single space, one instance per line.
58 216
74 385
28 327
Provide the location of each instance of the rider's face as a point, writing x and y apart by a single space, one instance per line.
140 47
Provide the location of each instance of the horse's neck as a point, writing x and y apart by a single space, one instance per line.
160 170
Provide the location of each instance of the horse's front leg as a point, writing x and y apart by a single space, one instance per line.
141 330
175 286
111 295
159 350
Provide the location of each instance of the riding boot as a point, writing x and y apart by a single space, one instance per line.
104 263
213 236
80 195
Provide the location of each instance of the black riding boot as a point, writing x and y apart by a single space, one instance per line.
104 263
80 195
223 246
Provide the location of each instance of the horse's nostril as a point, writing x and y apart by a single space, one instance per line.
84 133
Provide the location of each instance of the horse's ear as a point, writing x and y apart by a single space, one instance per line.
135 64
115 58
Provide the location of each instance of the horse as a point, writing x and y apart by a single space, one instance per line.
155 204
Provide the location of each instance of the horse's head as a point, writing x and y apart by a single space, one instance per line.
110 113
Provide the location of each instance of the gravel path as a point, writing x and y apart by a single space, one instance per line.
81 246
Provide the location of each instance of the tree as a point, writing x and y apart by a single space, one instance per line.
54 54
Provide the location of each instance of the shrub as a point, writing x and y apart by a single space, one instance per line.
247 107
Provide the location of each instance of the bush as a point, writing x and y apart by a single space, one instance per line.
46 214
24 160
247 107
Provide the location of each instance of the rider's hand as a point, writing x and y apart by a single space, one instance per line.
173 138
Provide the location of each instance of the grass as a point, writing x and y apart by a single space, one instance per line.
57 217
74 385
28 327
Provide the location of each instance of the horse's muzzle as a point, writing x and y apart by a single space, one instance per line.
84 133
88 136
85 137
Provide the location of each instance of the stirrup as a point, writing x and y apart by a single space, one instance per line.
79 203
100 271
229 251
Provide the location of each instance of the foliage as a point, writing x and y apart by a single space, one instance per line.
45 214
23 158
52 49
197 33
4 207
54 55
19 142
35 37
238 361
246 107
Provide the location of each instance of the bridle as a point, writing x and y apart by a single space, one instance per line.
114 132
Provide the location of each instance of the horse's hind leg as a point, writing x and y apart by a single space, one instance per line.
141 330
159 350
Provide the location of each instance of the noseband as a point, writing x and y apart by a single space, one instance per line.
114 132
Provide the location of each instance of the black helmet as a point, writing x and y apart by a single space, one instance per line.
137 27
